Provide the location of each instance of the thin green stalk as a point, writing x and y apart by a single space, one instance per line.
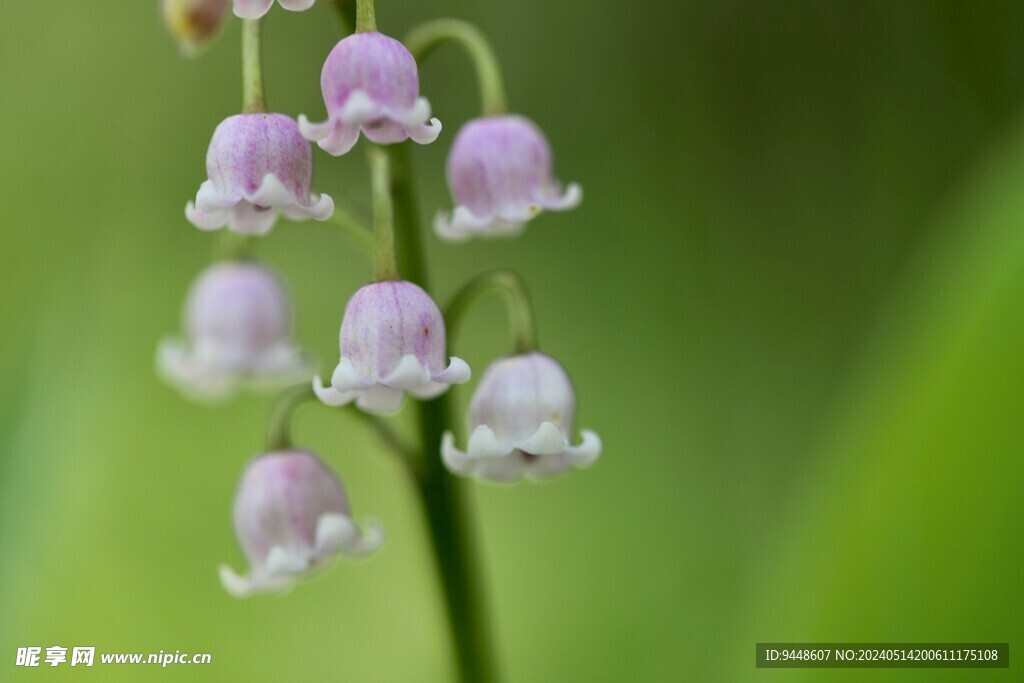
443 497
279 430
366 16
252 69
520 312
282 418
385 261
427 37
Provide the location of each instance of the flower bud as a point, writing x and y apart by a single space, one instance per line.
522 418
258 165
291 516
392 341
237 331
194 23
499 173
370 82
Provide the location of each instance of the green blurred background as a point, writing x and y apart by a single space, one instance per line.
791 303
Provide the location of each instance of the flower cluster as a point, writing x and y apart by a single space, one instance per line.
291 512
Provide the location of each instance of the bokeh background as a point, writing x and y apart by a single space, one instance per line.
791 302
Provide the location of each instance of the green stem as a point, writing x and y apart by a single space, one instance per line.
443 497
252 69
427 37
385 261
234 246
282 417
520 312
366 16
408 240
279 430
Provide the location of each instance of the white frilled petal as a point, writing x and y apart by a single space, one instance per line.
545 454
296 5
209 378
386 395
508 220
255 213
382 125
254 9
335 535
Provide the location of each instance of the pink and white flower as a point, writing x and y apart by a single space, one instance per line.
237 333
500 175
392 341
291 517
254 9
522 418
258 166
370 83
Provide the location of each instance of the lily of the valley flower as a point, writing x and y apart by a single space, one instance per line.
194 22
237 331
392 341
522 417
254 9
370 82
291 516
500 175
258 165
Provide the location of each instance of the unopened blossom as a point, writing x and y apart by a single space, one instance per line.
237 322
254 9
291 517
500 176
194 22
522 418
392 341
258 166
370 82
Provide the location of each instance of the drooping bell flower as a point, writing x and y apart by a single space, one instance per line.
291 517
254 9
193 23
392 341
522 418
500 176
237 322
259 165
370 82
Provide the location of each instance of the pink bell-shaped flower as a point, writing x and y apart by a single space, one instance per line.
499 172
237 332
370 83
194 22
522 418
392 341
258 165
291 517
254 9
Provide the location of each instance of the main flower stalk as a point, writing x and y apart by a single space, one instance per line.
444 498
